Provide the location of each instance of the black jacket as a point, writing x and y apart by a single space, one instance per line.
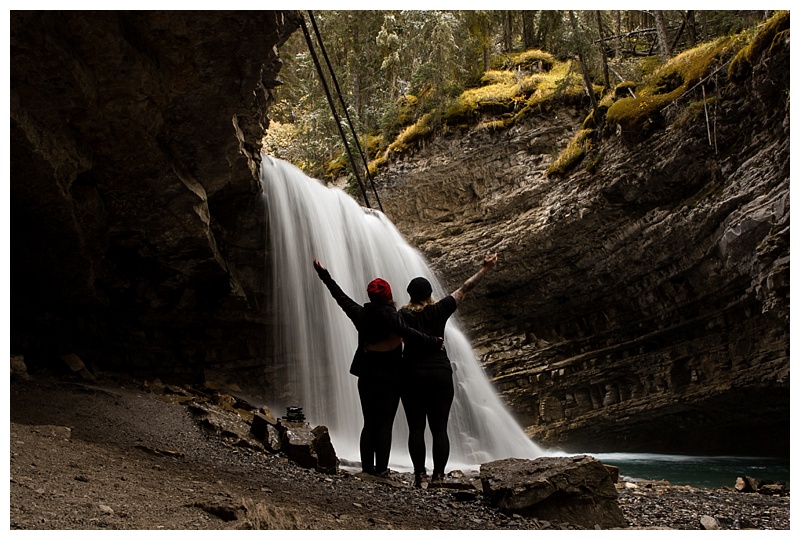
375 321
431 319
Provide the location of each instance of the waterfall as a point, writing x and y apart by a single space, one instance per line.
316 341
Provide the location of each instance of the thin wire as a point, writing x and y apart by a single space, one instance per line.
332 106
344 106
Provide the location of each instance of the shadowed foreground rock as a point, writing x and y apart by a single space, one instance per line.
577 490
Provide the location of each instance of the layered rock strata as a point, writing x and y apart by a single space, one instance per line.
640 307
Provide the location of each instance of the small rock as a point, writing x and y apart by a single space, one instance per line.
18 368
773 489
74 362
709 523
105 509
746 484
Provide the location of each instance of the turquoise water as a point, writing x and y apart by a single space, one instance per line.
697 471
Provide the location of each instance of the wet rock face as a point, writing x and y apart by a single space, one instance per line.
643 307
138 228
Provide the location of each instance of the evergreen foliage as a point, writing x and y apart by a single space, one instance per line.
407 74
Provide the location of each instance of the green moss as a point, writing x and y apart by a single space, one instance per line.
772 31
376 164
624 89
410 135
508 90
590 122
496 98
531 60
497 124
375 144
497 77
337 166
573 154
637 115
406 109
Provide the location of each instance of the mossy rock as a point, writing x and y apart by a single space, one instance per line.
531 60
590 122
624 89
411 135
773 31
497 77
640 115
576 149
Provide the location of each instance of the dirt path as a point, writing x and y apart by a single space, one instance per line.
107 455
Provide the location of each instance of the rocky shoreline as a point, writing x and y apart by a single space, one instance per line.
115 454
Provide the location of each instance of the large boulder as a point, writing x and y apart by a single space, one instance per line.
576 490
309 448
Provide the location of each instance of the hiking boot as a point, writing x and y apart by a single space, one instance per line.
420 480
382 474
437 477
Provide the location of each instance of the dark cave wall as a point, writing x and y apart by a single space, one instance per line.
137 225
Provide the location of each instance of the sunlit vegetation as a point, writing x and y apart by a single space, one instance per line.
577 148
408 75
639 115
530 60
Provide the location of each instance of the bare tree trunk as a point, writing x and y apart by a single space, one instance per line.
618 39
587 79
691 28
661 30
606 79
507 37
680 31
528 29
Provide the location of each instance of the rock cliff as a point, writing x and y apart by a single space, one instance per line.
643 306
138 232
640 307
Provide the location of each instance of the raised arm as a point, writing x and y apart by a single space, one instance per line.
348 305
489 262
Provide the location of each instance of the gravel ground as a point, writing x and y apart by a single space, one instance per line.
108 455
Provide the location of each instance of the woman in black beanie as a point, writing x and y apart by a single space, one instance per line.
377 364
428 382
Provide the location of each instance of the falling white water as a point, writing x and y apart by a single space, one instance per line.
307 220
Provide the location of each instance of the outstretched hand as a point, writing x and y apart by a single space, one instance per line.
322 272
490 260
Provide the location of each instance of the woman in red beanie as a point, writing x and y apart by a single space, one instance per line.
377 364
428 379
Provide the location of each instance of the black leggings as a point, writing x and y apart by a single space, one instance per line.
428 396
380 397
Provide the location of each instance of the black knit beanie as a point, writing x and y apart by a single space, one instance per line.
419 289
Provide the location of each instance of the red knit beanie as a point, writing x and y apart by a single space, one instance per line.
379 290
